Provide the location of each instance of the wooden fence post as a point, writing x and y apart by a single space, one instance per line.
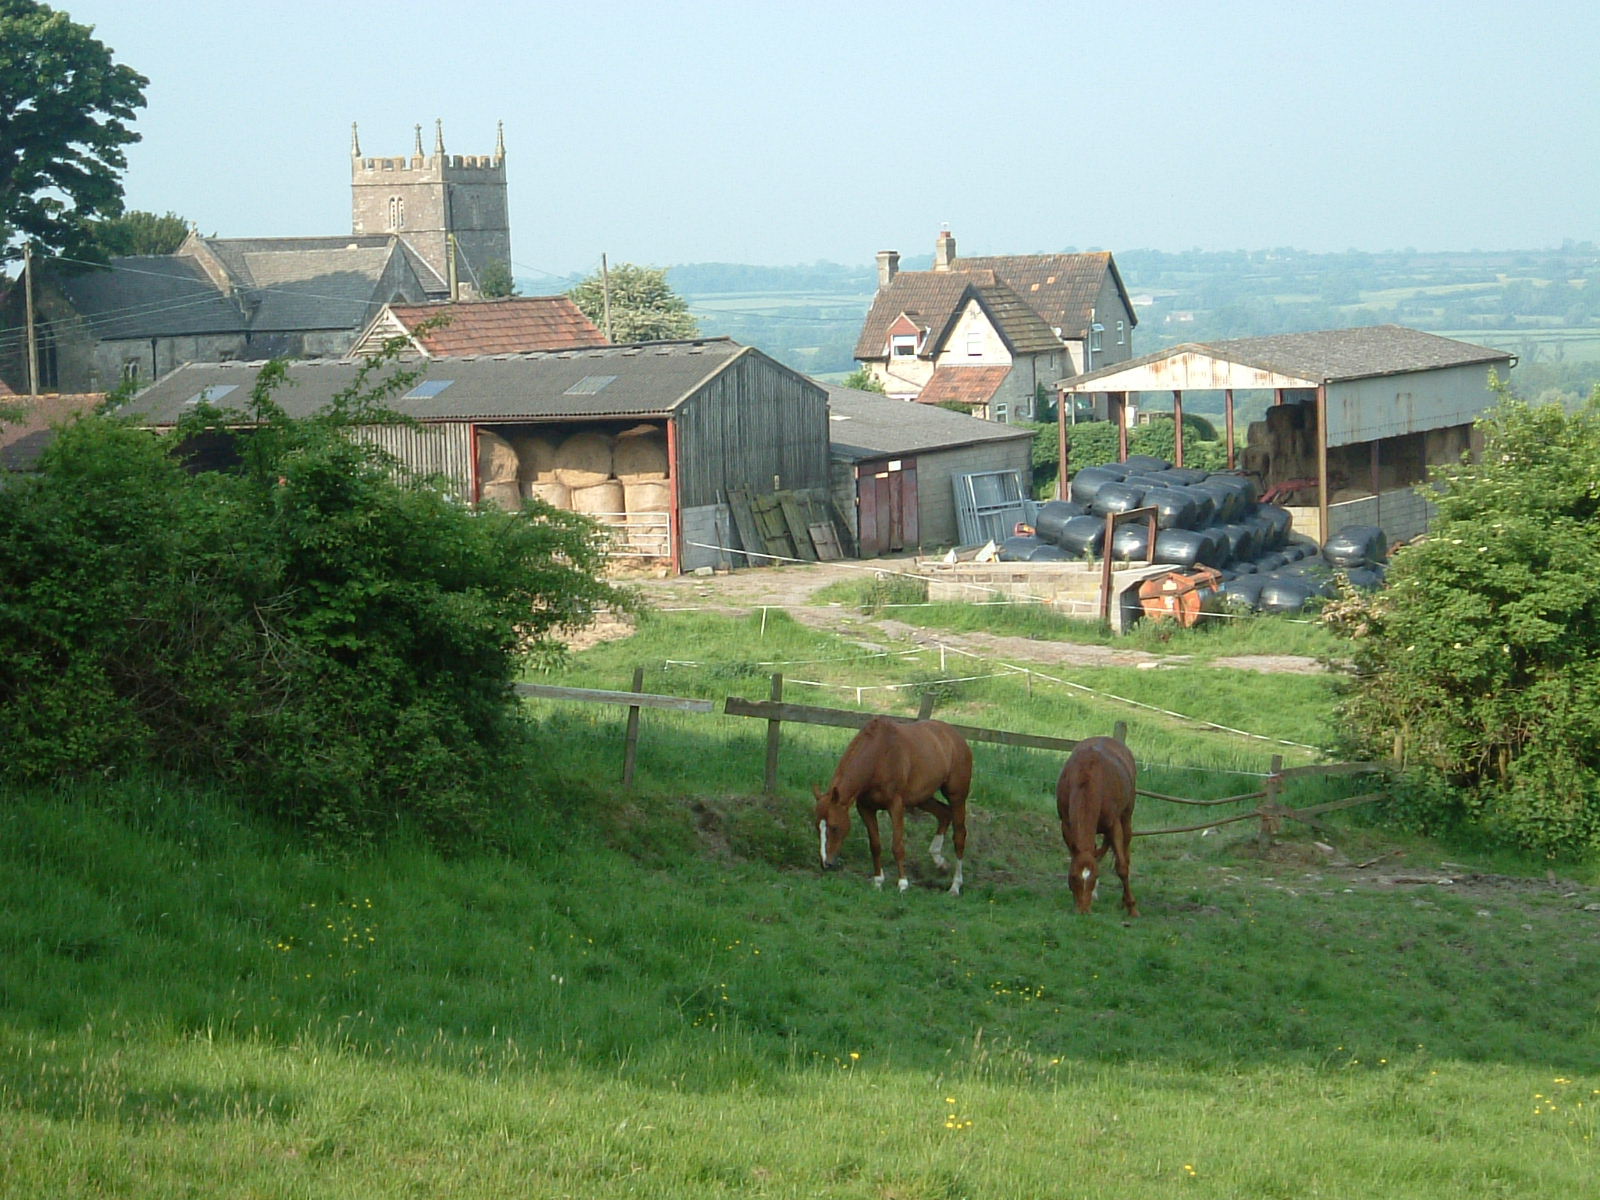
1269 806
925 709
630 752
774 728
1120 731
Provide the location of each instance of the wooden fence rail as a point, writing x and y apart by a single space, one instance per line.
1271 812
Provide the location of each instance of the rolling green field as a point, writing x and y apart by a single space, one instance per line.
655 993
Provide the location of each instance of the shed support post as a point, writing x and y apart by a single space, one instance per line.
1061 445
1122 426
1323 532
1177 427
1227 408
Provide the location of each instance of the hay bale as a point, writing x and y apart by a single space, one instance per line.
640 456
649 496
504 494
603 501
584 460
550 491
497 461
536 458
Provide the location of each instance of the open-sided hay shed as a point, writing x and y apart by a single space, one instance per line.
702 418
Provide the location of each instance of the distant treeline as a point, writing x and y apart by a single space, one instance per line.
1543 305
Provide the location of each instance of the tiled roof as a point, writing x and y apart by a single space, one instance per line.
1061 288
646 379
963 385
509 326
22 442
868 425
316 289
933 300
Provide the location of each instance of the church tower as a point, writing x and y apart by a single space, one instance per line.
426 198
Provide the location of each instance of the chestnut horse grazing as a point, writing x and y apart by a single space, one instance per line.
1095 796
896 765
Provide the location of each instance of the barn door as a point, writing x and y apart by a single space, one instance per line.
886 506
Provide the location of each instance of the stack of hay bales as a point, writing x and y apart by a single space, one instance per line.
609 478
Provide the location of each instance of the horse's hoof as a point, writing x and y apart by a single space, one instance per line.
939 861
877 881
904 884
955 889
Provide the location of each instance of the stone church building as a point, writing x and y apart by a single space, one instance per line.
423 228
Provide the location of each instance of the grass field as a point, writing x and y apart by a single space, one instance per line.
656 994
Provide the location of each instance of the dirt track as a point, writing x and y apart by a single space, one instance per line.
791 588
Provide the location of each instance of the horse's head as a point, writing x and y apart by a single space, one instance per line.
1083 876
832 820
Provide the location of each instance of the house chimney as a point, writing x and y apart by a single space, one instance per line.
888 267
944 250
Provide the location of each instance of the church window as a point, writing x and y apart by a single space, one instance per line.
397 212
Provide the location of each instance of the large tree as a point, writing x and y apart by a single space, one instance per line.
64 112
642 305
136 232
1479 666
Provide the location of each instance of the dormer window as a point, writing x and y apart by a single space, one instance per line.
903 345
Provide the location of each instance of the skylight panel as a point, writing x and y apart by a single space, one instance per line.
210 395
589 385
427 389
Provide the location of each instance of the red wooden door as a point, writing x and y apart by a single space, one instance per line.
886 506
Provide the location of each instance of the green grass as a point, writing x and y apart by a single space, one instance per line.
656 994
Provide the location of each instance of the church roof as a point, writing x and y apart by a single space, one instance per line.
150 296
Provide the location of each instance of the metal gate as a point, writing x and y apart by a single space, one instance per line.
988 505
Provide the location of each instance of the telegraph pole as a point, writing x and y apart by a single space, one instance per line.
33 344
605 294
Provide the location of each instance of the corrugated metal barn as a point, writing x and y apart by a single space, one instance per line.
726 416
1358 415
897 466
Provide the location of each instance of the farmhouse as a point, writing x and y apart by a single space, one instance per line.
1359 415
903 472
650 438
989 332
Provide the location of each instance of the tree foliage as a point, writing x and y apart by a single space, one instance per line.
136 232
497 282
1479 667
331 638
643 306
64 112
863 380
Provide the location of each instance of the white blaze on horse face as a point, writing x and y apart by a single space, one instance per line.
1084 875
822 833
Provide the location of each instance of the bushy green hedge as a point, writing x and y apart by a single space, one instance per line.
334 640
1479 666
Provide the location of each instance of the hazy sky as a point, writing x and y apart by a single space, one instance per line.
786 133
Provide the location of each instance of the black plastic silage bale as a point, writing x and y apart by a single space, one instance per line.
1131 542
1175 509
1241 541
1278 522
1090 480
1145 462
1048 553
1227 504
1082 535
1356 546
1019 548
1366 579
1284 594
1243 591
1052 515
1117 498
1181 547
1205 504
1183 476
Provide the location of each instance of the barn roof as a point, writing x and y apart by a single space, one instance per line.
22 440
639 380
1288 360
868 425
505 326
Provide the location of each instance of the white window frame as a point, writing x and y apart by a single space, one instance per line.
975 340
902 345
1001 413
